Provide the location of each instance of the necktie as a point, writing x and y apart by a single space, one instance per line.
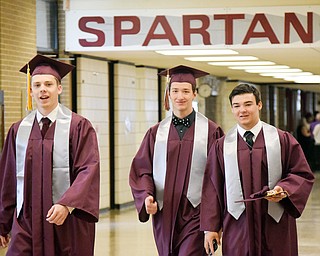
45 125
184 121
248 136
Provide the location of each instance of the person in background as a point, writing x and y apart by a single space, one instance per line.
257 182
315 121
305 137
167 171
49 173
316 136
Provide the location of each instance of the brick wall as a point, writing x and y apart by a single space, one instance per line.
18 45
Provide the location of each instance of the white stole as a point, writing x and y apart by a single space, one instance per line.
60 173
198 162
232 176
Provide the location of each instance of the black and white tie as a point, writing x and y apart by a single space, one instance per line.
184 121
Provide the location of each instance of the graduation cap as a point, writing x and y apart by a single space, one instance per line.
42 65
180 74
183 74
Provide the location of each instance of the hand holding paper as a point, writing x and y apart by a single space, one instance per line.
274 195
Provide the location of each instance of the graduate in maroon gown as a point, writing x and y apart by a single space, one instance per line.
49 174
167 171
257 182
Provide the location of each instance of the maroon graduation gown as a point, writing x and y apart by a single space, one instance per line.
176 226
31 233
255 232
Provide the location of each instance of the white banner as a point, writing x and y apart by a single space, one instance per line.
256 27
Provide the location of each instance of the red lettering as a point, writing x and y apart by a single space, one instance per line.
169 35
228 24
268 31
100 35
118 31
291 18
187 30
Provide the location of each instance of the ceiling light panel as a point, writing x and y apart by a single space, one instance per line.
197 52
241 63
259 67
284 75
287 70
222 58
305 79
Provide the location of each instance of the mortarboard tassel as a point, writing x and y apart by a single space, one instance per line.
166 93
29 98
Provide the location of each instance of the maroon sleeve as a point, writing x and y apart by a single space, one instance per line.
212 200
297 177
140 177
215 132
7 183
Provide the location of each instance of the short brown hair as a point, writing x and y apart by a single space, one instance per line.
243 89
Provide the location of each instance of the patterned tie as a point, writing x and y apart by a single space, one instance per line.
249 135
45 125
184 121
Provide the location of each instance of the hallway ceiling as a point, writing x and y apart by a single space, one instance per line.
306 59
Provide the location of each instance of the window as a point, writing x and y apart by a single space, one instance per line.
47 26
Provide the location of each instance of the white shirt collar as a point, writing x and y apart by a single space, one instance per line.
52 115
255 130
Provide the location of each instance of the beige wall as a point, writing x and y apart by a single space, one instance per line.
224 116
93 103
136 109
